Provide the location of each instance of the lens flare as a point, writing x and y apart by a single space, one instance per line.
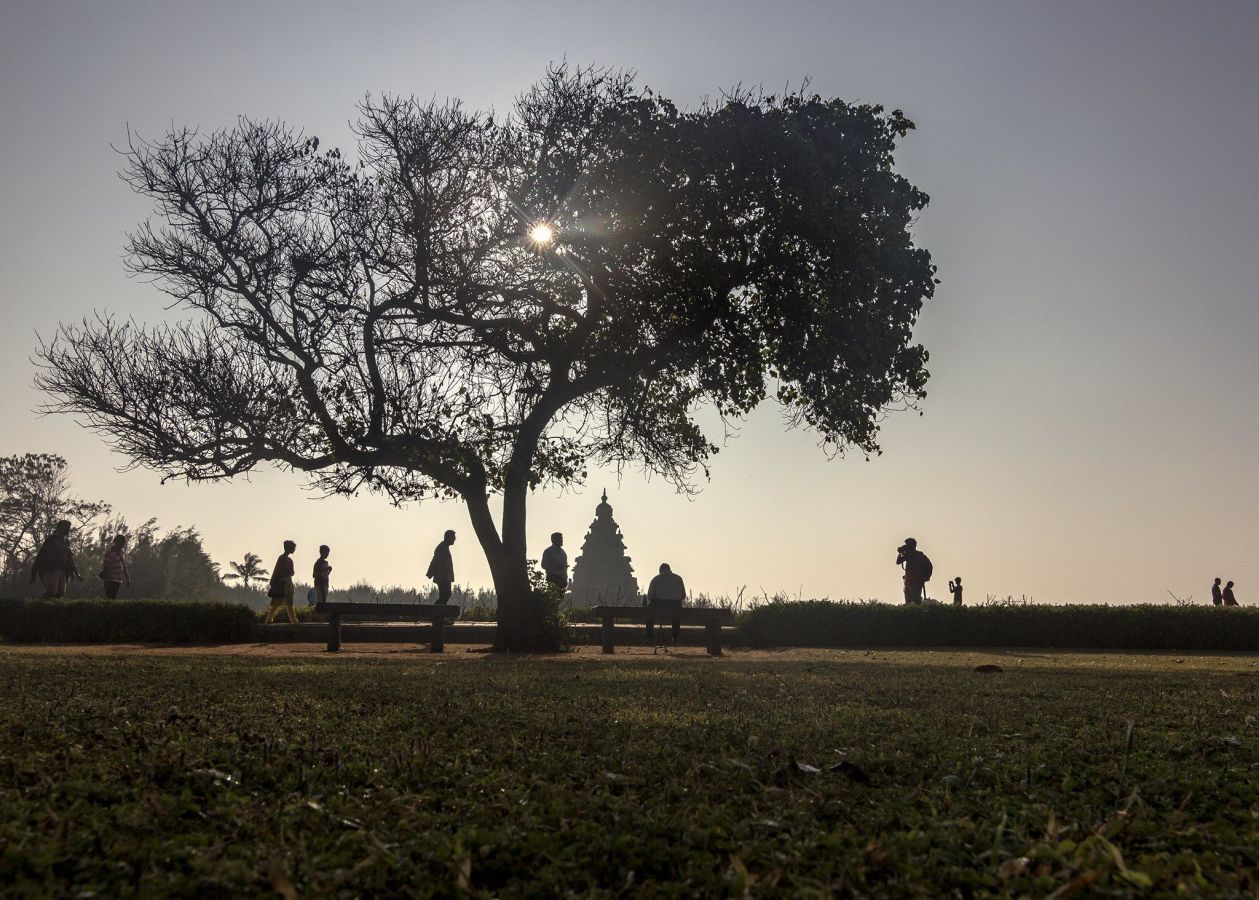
542 234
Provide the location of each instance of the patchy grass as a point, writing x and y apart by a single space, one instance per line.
811 772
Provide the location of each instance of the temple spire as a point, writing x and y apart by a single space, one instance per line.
603 573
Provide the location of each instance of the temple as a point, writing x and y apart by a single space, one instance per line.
603 574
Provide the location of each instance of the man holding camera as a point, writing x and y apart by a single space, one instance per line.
917 570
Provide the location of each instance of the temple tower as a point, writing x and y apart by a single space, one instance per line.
603 574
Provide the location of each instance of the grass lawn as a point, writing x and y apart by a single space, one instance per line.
805 772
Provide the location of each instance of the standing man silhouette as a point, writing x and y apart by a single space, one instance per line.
917 570
321 573
555 563
955 588
1229 599
1217 596
442 568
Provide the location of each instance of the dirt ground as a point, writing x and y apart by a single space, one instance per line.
1242 664
400 651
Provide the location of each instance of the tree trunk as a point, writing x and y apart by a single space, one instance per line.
522 619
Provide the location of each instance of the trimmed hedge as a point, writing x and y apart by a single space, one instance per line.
821 623
125 622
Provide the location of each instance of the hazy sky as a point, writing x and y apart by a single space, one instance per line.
1089 431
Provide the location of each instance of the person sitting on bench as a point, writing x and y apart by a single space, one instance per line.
666 590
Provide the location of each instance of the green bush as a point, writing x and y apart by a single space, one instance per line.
821 623
125 621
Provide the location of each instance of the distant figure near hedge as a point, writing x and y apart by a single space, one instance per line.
917 570
281 588
1229 599
114 568
555 563
54 563
1217 596
321 573
666 590
955 588
442 569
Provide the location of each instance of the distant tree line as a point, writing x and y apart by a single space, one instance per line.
35 493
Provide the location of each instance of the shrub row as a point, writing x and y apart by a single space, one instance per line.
125 621
820 623
812 623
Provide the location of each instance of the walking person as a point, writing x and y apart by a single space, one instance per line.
442 569
955 588
917 570
667 591
280 589
1217 595
1228 598
54 563
114 568
555 564
322 570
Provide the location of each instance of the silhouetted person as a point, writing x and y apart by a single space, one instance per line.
555 563
114 568
281 588
917 570
955 588
666 590
1217 596
320 574
442 568
54 563
1229 599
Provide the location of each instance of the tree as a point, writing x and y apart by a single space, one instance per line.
34 496
479 306
247 569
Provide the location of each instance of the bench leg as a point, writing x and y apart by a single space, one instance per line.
713 629
439 634
607 634
334 632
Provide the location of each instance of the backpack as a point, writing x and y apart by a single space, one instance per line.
924 567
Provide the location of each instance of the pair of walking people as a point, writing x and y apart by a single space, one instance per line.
54 564
1223 596
280 589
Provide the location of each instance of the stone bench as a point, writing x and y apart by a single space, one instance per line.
711 618
437 613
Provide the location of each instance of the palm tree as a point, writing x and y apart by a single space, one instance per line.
247 570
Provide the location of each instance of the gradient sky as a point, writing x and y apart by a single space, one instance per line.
1089 432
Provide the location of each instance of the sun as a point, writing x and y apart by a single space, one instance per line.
542 234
